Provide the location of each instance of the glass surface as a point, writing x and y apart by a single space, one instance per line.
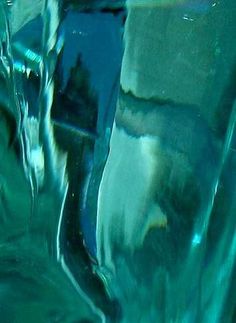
117 161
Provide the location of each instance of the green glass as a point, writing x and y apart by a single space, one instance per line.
166 208
117 161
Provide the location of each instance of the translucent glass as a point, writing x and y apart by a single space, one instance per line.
117 161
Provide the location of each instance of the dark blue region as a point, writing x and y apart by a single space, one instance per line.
97 39
94 4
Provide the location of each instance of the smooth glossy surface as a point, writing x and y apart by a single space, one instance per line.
117 161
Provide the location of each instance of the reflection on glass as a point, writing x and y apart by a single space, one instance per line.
117 161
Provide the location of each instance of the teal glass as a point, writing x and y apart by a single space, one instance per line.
118 165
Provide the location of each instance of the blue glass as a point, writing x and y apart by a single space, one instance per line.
117 161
